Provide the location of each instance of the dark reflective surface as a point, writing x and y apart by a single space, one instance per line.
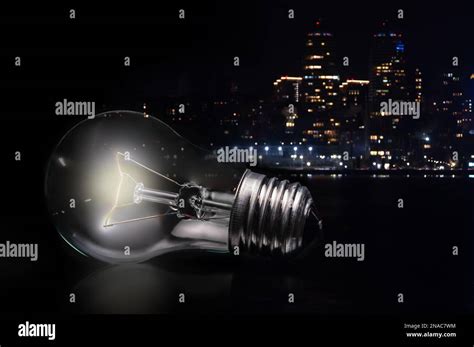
407 251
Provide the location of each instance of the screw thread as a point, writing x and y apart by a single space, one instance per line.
269 215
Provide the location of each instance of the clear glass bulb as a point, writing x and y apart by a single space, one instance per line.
125 187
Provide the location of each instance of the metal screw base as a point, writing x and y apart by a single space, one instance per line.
269 215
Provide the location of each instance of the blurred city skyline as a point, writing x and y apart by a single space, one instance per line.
326 105
334 108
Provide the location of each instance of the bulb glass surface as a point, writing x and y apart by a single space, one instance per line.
125 187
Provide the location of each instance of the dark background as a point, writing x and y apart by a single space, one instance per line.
407 250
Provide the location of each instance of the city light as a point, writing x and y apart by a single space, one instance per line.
329 115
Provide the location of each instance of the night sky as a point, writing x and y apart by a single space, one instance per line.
194 57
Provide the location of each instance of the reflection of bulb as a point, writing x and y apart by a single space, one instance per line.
125 187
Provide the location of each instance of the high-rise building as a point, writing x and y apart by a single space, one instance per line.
287 89
422 140
388 81
353 93
418 85
320 91
455 106
287 93
320 78
354 117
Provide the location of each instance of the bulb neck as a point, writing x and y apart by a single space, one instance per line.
270 216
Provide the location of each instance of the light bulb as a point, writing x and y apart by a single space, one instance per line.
125 187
